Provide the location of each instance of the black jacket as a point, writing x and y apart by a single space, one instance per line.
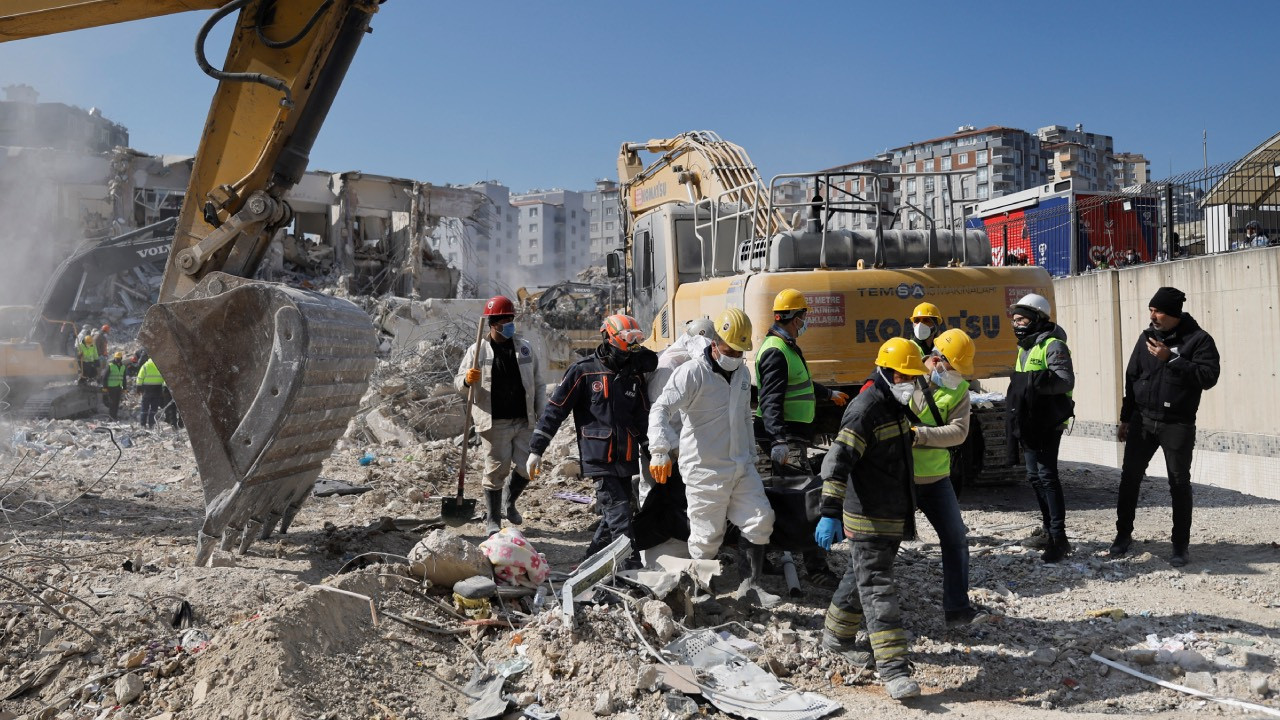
1038 399
772 384
610 411
1170 391
872 456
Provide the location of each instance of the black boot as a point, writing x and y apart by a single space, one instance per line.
493 511
515 486
1058 549
1120 546
750 587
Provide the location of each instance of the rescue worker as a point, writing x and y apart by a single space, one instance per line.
87 352
113 383
151 385
788 396
605 392
100 340
712 396
1040 405
1174 361
867 489
509 397
943 409
926 323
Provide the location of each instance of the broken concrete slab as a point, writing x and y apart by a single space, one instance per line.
444 559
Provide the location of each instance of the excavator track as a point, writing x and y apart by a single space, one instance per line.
266 378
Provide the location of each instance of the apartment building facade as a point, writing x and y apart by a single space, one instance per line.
1085 158
1130 169
553 235
606 219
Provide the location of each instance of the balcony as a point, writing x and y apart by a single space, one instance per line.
1002 178
1002 160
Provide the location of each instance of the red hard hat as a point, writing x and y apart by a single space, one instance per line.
106 328
499 305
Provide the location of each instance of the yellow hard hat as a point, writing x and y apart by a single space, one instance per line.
790 301
734 327
118 356
926 310
957 347
902 355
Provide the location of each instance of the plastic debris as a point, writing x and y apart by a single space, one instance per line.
574 497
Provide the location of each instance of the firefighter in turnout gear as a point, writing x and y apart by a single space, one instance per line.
867 488
509 397
606 395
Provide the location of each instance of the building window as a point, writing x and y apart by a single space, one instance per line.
946 163
983 192
981 158
982 174
533 227
608 225
595 227
533 212
911 185
573 229
928 183
533 243
962 158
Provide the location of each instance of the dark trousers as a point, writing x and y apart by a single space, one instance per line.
169 406
613 498
150 404
1042 473
867 594
1145 437
113 402
938 502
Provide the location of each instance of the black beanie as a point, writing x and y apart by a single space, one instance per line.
1169 301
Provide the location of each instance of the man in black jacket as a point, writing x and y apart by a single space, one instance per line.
1174 361
606 394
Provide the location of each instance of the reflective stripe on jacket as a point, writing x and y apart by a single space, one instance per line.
936 461
799 402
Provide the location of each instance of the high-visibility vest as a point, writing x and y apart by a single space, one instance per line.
150 374
934 462
1035 359
115 375
88 352
799 404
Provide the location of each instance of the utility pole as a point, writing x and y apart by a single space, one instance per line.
1204 143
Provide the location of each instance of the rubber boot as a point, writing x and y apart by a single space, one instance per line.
750 587
515 486
493 511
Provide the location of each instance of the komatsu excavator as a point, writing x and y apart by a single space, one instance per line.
266 376
703 233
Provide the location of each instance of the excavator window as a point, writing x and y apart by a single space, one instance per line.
644 260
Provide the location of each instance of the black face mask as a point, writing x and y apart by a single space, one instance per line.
1024 331
619 357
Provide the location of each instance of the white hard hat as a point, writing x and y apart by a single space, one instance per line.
702 326
1033 302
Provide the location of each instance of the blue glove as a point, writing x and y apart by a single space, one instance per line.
826 532
778 453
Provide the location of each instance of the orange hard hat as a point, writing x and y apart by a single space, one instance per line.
106 328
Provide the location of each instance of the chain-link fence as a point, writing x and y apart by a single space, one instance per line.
1221 208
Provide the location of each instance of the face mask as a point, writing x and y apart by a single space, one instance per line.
949 379
923 331
904 391
620 357
728 364
508 330
804 325
1021 331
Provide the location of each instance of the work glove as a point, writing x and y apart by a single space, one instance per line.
826 533
778 453
472 377
839 398
531 465
660 468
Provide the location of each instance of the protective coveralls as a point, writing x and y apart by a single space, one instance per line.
716 452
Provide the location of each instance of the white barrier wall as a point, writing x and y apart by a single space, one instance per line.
1236 298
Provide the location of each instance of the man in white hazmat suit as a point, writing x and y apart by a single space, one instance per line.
694 341
711 393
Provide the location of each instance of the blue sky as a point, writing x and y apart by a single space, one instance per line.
540 95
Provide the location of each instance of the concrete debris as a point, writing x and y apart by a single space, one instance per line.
127 688
591 572
445 559
657 615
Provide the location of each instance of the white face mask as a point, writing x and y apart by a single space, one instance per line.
728 364
904 391
804 325
949 379
923 331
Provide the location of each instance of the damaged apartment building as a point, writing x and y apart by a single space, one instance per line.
69 181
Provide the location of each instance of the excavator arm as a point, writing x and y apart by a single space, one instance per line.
266 377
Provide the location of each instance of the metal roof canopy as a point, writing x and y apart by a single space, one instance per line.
1253 180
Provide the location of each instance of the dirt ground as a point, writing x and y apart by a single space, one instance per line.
96 579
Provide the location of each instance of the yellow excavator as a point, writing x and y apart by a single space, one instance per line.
266 376
703 233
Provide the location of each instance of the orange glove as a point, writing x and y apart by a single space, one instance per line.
660 468
839 398
472 377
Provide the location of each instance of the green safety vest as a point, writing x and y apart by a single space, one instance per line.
799 404
115 375
934 462
88 353
150 374
1035 360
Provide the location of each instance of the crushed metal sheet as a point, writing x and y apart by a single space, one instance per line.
739 687
325 487
590 573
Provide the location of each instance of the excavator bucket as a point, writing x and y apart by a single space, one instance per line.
266 378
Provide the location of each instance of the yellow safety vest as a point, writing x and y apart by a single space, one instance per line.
88 352
115 375
799 404
934 462
150 374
